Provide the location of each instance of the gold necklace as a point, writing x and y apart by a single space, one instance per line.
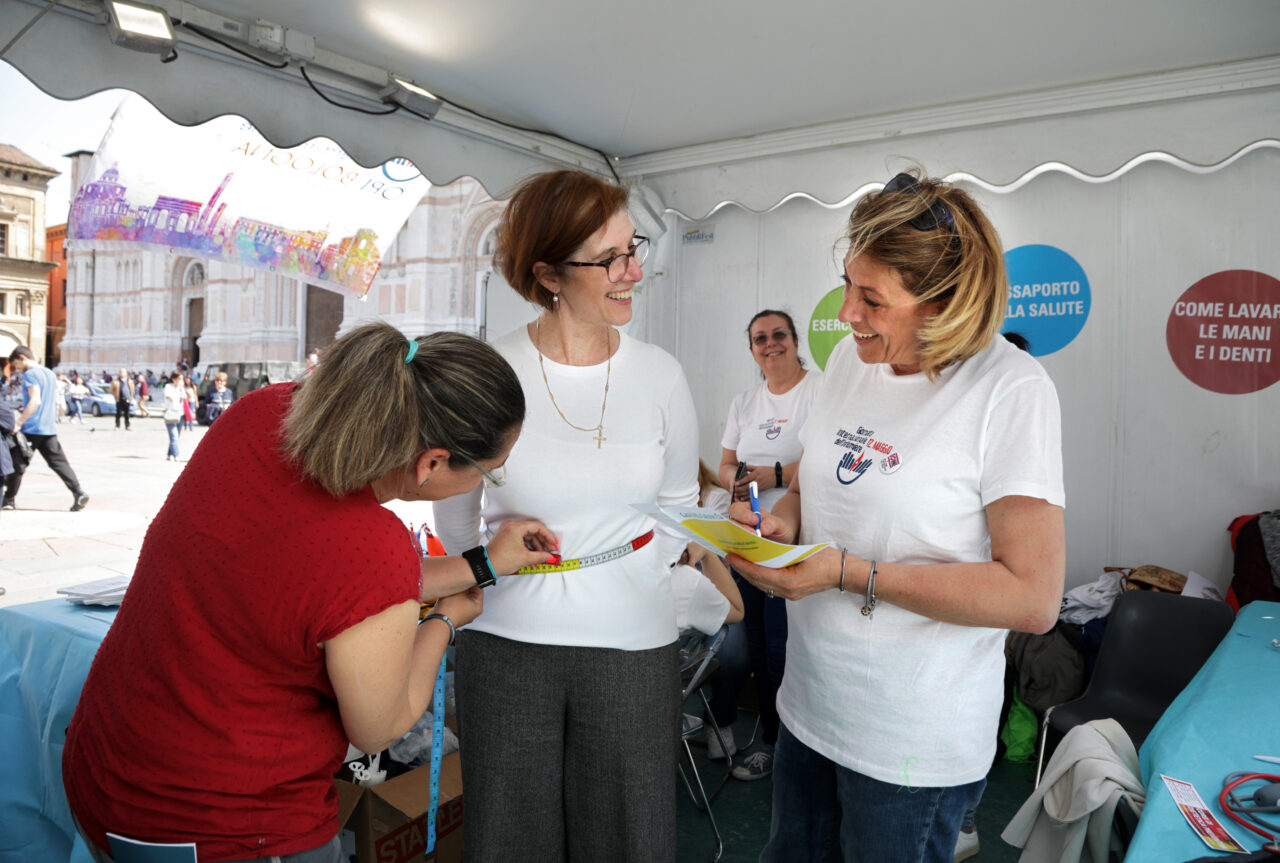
598 428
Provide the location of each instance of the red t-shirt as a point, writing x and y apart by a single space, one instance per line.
208 715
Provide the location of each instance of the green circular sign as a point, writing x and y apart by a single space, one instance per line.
825 329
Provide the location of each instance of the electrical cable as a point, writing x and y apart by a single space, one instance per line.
200 31
312 84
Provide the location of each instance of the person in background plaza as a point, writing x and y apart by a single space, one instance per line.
183 366
63 385
122 390
763 432
175 397
191 402
568 687
932 463
143 391
8 446
218 398
37 420
224 695
76 394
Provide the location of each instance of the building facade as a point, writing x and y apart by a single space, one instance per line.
55 239
24 272
143 308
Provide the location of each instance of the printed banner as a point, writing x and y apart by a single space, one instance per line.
221 191
1223 333
1049 297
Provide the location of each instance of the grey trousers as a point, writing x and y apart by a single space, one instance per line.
568 753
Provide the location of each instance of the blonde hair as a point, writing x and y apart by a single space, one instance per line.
365 411
959 265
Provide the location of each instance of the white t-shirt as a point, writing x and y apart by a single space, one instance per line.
900 468
699 603
584 493
764 428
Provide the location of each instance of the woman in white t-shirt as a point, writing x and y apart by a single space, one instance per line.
933 465
762 434
568 684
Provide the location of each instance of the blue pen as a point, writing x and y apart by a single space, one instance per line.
755 504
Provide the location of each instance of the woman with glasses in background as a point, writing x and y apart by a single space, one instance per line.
761 444
933 465
568 688
241 663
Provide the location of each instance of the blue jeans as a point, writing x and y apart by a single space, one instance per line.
766 625
173 429
825 812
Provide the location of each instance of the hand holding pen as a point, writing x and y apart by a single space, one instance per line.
755 504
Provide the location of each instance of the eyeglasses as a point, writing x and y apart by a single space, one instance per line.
491 479
616 266
938 214
762 339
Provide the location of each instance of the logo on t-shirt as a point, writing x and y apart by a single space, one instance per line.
860 453
772 427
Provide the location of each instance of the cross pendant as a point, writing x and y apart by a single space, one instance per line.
600 438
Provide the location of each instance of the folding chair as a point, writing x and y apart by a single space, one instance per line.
1154 644
697 661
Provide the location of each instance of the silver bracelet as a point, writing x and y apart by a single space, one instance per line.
453 631
843 554
870 605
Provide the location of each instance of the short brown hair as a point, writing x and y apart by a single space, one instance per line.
548 218
365 411
958 265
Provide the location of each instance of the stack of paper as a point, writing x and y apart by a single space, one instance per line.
104 591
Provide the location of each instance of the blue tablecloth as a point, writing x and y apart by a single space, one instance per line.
45 652
1227 714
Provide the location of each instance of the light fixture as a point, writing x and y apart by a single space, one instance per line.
140 27
410 96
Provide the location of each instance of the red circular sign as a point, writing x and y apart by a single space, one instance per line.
1224 332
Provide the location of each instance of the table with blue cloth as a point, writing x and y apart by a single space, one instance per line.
46 649
1227 714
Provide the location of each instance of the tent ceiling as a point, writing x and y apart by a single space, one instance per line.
667 84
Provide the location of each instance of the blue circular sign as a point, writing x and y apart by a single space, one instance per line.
1048 297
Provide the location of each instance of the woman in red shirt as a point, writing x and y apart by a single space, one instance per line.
240 664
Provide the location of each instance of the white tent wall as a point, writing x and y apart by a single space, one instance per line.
1156 467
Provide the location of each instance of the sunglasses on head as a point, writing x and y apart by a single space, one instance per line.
938 214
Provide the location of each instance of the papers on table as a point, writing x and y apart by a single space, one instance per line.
722 535
104 591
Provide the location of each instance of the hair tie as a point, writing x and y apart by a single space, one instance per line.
413 349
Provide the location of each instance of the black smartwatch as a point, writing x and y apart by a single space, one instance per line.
478 557
777 473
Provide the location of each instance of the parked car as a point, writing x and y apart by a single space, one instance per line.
100 402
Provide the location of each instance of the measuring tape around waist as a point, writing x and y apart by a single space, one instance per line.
589 560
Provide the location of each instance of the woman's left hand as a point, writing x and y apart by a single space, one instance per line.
814 574
761 474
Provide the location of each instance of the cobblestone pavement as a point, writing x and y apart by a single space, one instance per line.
45 546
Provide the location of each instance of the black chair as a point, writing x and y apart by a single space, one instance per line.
697 661
1154 644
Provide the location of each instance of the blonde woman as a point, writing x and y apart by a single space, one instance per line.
933 464
223 698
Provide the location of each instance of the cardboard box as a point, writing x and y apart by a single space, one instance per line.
390 820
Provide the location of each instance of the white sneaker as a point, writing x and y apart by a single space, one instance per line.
714 750
966 845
